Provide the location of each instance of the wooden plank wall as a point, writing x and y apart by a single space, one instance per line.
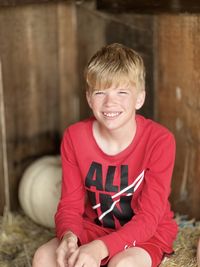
178 102
150 6
2 133
22 2
37 51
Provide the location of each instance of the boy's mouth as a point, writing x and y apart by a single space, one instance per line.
111 114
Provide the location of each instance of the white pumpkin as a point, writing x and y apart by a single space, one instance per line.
40 188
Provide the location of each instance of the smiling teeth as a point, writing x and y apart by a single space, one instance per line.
111 114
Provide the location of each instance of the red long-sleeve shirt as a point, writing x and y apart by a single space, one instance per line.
125 195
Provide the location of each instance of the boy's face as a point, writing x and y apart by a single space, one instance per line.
115 107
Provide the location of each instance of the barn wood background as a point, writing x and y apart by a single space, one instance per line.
43 49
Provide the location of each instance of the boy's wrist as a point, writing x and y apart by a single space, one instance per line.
70 235
102 248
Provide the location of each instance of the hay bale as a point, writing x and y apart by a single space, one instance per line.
20 237
185 246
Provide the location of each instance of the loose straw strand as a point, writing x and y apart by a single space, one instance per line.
4 145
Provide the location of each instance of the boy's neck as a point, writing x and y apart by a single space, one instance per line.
114 141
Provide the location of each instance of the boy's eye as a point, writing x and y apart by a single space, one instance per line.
123 92
99 92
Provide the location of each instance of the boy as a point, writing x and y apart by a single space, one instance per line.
117 169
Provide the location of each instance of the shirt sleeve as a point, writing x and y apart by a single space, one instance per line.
71 205
152 203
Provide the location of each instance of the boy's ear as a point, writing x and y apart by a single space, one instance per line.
140 99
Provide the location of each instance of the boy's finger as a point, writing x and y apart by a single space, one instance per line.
61 262
72 259
61 258
71 244
79 263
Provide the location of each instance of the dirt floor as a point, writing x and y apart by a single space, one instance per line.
20 236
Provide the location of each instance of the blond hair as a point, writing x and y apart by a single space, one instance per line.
115 64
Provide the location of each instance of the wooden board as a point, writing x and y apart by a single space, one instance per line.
36 96
150 6
69 80
3 175
5 3
178 103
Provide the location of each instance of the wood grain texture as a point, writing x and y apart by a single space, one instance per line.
178 103
32 58
69 99
3 150
6 3
150 6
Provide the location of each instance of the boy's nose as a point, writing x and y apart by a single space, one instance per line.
109 99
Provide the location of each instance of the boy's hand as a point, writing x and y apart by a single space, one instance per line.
90 255
67 246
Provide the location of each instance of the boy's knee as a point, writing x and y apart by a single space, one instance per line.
121 262
45 255
40 257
